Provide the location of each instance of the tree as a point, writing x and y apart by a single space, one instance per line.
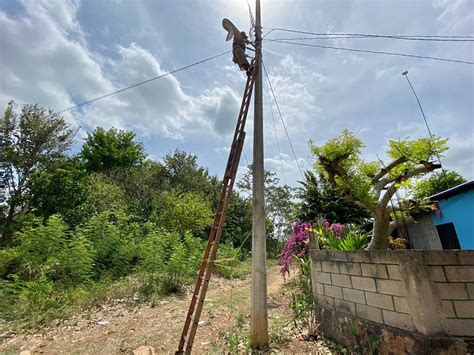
32 140
104 150
436 183
62 190
185 175
318 199
371 185
279 204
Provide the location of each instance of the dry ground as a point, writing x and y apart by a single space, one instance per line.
121 327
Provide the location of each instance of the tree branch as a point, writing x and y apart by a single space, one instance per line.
406 221
388 168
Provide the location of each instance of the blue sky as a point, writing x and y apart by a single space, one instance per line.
59 53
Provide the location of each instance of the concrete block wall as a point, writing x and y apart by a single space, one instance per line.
426 292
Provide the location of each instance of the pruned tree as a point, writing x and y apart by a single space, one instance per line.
31 141
372 185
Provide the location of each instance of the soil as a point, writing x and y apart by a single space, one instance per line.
120 326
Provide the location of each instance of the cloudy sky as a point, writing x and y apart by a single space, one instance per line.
61 53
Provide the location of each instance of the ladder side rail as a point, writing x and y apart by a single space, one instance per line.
202 296
219 219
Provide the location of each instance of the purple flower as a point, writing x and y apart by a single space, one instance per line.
337 229
296 245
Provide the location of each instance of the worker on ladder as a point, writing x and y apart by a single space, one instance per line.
238 45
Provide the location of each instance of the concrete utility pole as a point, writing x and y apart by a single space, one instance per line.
259 316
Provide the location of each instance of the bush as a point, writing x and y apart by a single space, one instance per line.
168 260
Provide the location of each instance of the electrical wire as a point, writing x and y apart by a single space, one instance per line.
373 52
276 135
362 35
281 118
331 37
142 83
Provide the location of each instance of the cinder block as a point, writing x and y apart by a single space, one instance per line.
464 309
375 270
460 327
363 283
391 287
360 256
465 257
341 280
463 273
447 309
323 277
452 291
319 288
380 301
394 272
398 320
353 295
437 273
386 257
470 290
337 255
316 265
333 291
369 313
345 306
330 266
326 302
440 257
350 268
401 304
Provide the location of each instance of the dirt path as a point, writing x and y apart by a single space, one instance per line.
120 328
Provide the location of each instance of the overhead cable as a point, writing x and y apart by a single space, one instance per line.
276 136
332 37
373 52
282 120
427 37
142 83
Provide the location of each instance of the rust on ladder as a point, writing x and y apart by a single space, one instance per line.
202 282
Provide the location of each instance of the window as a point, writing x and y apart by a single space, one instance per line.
447 235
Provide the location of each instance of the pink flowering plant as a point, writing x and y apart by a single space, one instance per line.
335 236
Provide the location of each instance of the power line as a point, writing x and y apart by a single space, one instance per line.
373 52
142 83
332 37
462 37
276 136
282 121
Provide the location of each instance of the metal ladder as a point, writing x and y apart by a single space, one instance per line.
202 282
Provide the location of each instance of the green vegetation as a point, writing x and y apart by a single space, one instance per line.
79 229
436 183
371 185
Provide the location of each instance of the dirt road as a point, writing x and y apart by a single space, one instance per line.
121 328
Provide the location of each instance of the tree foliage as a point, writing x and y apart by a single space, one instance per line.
104 150
318 200
32 140
436 183
371 185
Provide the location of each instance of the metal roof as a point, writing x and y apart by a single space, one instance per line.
453 191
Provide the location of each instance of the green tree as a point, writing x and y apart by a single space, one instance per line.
103 150
318 199
371 185
184 212
185 175
31 141
63 190
279 204
437 182
143 187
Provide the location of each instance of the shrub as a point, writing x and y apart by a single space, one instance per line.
168 260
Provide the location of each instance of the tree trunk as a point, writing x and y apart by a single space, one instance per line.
380 231
7 233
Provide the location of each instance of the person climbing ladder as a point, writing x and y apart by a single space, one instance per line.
240 39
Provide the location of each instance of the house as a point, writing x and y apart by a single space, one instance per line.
451 226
